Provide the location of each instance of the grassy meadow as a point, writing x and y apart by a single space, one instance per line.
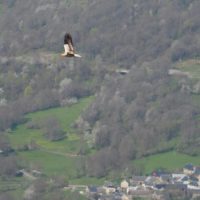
66 116
171 161
50 164
52 158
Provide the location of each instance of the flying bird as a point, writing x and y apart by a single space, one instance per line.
69 47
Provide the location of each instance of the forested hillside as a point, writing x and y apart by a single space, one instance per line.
148 111
144 112
123 32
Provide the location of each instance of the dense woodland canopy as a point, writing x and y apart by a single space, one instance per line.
144 112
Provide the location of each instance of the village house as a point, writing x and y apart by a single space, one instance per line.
124 186
92 192
166 178
91 189
152 187
185 180
188 169
137 180
109 188
193 186
152 180
177 177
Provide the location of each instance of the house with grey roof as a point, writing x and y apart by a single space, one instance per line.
137 180
188 169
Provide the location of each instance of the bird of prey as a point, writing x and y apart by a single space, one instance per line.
69 47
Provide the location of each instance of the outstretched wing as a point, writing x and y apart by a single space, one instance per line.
68 40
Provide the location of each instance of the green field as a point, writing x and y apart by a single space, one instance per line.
88 181
50 164
53 158
57 165
170 161
22 135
